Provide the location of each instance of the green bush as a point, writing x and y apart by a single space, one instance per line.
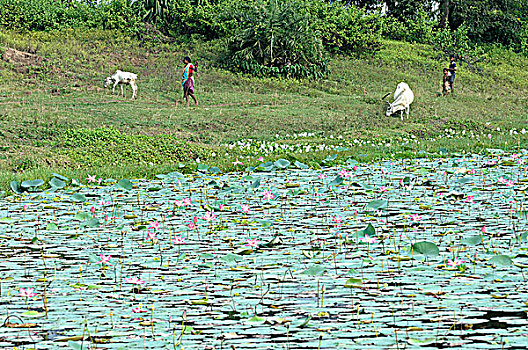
346 28
44 15
276 38
103 146
522 43
206 19
121 15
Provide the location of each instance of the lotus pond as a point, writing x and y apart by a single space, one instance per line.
397 254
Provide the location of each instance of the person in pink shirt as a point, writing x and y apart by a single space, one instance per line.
188 80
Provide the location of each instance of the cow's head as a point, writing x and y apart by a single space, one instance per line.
393 108
108 81
389 111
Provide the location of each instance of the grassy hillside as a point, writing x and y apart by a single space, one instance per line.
56 116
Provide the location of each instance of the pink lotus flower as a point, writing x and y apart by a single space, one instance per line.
501 180
338 219
152 236
24 207
510 183
178 240
521 161
260 159
343 173
221 206
99 181
237 162
245 208
321 176
106 217
209 216
368 239
186 201
472 171
415 217
134 280
92 210
91 178
382 189
105 259
191 226
26 293
138 309
254 243
154 225
102 202
454 263
469 199
179 204
268 196
355 168
385 171
484 229
515 156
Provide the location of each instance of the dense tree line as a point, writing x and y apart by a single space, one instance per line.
289 37
489 21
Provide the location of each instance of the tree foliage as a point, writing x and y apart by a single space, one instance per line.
276 38
50 14
490 21
346 28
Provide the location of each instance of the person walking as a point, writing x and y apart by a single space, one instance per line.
452 70
188 80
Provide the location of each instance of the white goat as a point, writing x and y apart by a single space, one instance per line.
121 78
403 97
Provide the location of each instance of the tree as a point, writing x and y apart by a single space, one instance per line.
444 12
491 21
273 37
408 9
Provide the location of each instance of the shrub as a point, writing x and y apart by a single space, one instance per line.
45 15
206 19
103 146
276 38
346 28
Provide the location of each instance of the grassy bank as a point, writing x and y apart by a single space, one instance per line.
56 116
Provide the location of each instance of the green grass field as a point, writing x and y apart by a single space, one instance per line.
55 115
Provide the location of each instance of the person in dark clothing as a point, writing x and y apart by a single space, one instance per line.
452 71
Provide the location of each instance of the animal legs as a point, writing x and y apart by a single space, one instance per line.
134 89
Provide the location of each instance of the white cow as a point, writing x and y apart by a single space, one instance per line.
403 97
121 78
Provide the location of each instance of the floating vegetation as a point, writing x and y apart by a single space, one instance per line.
399 254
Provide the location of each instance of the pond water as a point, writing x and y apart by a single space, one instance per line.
397 254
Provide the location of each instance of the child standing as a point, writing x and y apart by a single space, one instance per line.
452 70
188 80
446 85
